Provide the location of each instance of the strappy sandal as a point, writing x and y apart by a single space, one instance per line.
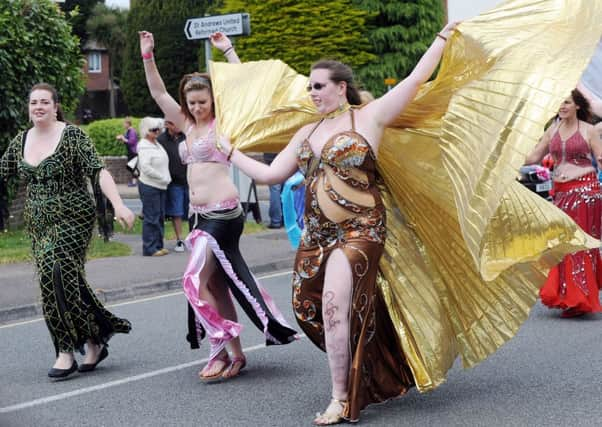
241 361
225 359
332 416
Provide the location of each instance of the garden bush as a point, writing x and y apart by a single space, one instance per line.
103 132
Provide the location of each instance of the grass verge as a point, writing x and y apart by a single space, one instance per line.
15 247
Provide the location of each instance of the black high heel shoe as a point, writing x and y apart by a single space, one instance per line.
57 373
88 367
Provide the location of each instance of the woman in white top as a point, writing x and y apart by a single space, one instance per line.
153 165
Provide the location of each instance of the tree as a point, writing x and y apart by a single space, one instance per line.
175 55
36 45
79 12
399 32
107 26
300 33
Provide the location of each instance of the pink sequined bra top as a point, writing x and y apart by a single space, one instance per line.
202 149
575 150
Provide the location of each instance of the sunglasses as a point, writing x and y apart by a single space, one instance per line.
154 130
316 86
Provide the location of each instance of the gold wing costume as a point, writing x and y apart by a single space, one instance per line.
467 246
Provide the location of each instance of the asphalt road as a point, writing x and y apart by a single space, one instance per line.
550 374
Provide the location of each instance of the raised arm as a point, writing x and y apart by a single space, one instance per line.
281 168
170 108
223 43
385 109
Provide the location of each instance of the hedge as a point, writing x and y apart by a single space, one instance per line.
103 133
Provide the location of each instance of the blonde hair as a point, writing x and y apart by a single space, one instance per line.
148 123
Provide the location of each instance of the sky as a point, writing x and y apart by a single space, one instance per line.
118 3
459 10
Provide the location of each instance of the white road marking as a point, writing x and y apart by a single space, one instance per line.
136 301
127 380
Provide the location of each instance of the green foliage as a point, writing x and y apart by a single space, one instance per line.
399 32
301 33
102 133
78 12
36 45
107 26
174 54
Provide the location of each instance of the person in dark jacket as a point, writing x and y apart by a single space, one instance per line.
176 203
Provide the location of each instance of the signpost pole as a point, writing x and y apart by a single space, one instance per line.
207 54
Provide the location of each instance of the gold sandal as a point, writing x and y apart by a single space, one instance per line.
332 416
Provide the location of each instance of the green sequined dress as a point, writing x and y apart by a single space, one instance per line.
59 216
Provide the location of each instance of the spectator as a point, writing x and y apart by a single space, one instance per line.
176 202
130 139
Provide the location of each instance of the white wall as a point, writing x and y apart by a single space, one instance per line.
459 10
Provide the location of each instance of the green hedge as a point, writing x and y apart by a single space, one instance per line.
103 132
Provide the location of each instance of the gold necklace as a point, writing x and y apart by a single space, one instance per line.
343 108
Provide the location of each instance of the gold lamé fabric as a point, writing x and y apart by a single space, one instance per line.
467 246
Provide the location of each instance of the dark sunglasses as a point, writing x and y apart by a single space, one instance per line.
316 86
154 130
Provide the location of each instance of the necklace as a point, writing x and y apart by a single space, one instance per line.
343 108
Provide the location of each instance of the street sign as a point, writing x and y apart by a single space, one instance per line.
234 24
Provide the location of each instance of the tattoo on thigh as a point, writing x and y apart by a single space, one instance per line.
330 311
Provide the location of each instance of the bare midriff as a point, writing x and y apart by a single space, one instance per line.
333 211
210 182
565 171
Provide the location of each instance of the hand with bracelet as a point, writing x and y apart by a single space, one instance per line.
147 45
448 30
222 42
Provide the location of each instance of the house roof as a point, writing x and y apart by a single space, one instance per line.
93 45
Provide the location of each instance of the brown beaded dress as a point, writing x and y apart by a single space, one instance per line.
378 369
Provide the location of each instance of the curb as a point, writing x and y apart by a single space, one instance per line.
28 311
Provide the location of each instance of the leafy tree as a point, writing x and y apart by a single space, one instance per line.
107 26
36 45
79 12
399 32
300 33
175 55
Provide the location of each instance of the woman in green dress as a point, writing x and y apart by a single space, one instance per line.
55 160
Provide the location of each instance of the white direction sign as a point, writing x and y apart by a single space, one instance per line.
234 24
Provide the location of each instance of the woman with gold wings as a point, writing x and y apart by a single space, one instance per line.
335 297
467 247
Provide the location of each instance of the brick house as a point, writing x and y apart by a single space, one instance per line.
95 103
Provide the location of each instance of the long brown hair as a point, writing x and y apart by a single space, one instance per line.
584 112
340 72
190 82
55 97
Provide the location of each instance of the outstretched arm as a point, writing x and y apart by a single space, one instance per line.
281 168
170 108
385 109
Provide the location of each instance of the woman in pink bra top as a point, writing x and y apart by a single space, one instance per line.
573 143
216 265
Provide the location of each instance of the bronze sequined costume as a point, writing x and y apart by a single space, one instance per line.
59 217
378 370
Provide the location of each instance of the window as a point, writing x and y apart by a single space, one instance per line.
94 63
